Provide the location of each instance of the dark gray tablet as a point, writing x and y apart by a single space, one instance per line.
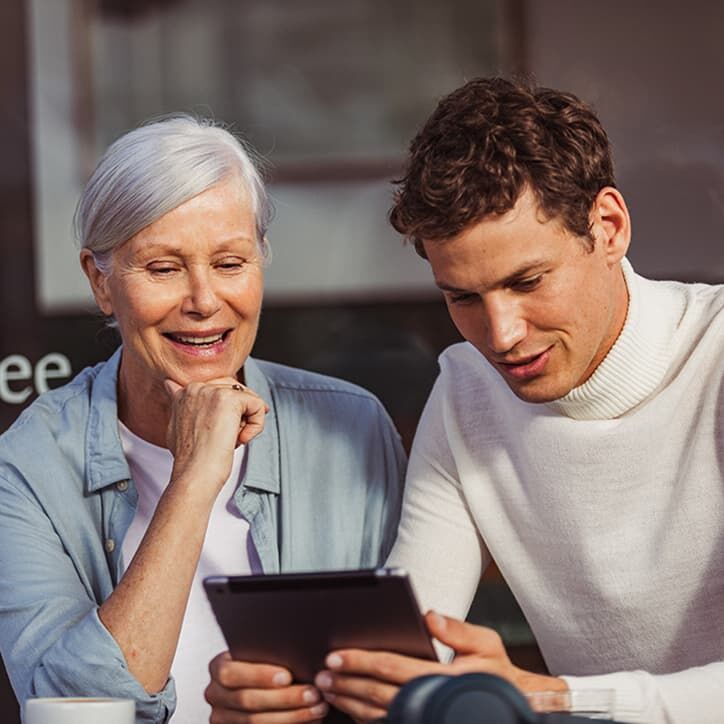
295 620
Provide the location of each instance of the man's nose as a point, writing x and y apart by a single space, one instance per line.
505 325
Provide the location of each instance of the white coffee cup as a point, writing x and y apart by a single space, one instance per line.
591 703
79 710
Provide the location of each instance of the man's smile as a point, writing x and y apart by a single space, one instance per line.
526 367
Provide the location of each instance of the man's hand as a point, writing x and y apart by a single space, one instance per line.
259 694
363 683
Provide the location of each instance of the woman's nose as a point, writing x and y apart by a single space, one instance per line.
201 298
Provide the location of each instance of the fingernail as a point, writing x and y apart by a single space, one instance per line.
310 696
323 680
334 661
282 678
319 710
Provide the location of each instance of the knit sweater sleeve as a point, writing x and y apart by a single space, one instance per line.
437 541
694 694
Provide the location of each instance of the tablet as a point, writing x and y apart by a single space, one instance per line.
295 619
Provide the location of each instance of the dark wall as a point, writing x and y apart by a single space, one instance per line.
653 72
17 309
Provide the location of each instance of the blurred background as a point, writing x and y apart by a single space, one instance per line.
330 92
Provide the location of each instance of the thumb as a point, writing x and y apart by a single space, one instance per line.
463 637
172 387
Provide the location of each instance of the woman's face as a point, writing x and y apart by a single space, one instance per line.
186 292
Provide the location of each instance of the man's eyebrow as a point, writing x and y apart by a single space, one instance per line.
445 287
524 271
512 278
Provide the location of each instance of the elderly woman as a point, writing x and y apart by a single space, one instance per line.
181 456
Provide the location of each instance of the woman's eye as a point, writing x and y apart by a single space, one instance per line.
162 270
230 264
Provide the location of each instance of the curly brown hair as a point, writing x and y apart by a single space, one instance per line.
485 144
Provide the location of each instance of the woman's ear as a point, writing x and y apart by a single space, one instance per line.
611 224
98 282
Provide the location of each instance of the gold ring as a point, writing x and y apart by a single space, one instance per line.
238 387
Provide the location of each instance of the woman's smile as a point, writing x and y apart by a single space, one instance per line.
202 344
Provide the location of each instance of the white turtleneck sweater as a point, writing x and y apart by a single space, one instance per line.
604 510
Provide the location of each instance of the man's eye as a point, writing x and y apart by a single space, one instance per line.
461 298
527 285
162 270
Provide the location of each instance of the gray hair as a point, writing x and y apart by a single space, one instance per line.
156 167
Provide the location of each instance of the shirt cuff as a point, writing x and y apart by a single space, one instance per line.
87 661
632 697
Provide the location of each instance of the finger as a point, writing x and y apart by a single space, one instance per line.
363 688
249 700
464 638
253 412
229 382
381 665
232 716
233 674
253 418
358 710
173 388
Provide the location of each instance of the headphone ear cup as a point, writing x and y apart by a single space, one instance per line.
465 699
412 699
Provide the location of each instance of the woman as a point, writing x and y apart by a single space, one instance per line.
181 456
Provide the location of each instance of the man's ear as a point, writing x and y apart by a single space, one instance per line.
98 282
611 224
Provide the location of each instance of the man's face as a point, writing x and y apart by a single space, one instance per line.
532 298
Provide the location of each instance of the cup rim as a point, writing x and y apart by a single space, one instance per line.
573 700
83 700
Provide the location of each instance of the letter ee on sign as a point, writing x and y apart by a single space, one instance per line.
18 378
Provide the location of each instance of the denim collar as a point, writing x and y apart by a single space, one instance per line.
106 464
262 465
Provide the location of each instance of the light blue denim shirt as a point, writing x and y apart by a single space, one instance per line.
322 490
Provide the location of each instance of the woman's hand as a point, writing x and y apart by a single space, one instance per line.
259 693
145 611
208 420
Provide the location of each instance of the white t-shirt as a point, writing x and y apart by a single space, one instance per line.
228 549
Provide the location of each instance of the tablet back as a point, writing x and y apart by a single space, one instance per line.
295 620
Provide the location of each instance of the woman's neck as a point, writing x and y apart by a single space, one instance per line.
145 412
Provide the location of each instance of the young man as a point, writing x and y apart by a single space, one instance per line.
576 438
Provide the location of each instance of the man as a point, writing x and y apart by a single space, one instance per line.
576 438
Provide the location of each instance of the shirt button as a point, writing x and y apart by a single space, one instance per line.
122 486
110 545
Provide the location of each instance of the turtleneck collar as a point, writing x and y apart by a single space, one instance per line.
638 360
